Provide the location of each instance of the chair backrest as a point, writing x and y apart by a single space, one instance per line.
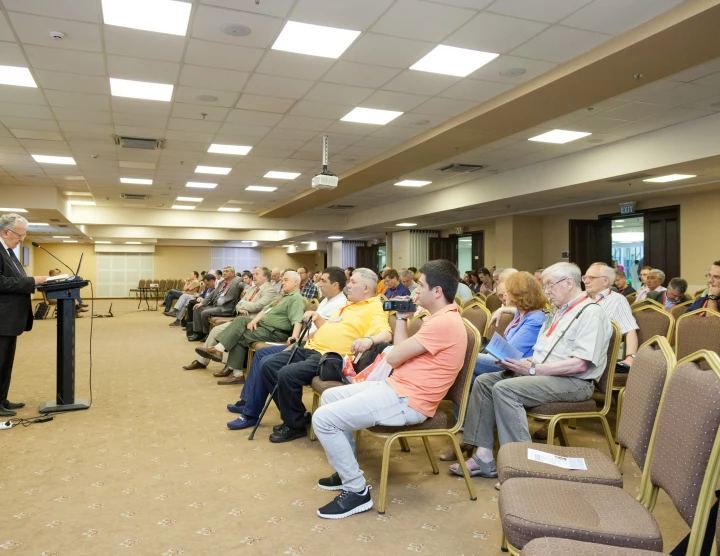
652 321
648 301
458 393
473 299
480 296
652 367
416 322
478 315
459 301
697 330
684 455
631 298
505 320
162 285
311 304
141 284
604 383
680 309
493 302
698 293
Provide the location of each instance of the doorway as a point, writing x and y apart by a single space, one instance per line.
464 254
628 245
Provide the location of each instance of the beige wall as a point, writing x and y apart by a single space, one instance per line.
527 248
177 262
42 262
277 257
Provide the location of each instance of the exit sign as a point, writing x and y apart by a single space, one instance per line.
627 208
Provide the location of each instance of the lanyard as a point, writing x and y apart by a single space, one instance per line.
253 294
515 322
554 325
603 298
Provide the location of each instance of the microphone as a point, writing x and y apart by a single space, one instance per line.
35 244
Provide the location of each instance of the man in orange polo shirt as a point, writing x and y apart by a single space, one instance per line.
425 367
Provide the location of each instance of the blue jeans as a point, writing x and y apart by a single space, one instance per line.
172 294
254 392
485 364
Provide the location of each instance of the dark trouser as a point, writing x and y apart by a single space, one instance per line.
190 314
201 318
290 380
172 294
254 392
236 339
7 356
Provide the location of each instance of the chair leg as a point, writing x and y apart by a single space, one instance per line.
430 454
315 405
618 412
608 436
404 446
384 474
563 435
461 462
503 543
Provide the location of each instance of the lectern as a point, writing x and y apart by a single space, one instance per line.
67 294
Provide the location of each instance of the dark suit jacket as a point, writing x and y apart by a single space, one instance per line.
228 301
658 296
16 314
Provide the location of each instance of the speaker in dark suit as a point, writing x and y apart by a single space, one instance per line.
15 305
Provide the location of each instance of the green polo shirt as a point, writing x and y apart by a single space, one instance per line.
284 313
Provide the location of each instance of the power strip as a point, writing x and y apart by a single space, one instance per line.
6 425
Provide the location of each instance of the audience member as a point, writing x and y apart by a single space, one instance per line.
425 367
653 283
643 290
381 285
407 279
191 285
275 279
307 289
563 368
254 394
416 274
709 298
220 303
496 277
475 283
538 274
464 291
486 281
355 328
674 294
395 288
621 285
185 299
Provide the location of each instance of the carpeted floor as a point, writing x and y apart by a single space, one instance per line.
152 469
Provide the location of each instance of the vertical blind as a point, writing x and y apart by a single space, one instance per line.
419 253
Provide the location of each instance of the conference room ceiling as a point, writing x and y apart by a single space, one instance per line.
237 90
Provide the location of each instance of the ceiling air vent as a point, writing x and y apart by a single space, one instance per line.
138 143
341 207
134 197
631 177
459 168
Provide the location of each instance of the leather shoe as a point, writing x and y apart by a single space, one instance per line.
286 434
194 365
12 405
232 380
227 371
210 353
83 304
193 337
7 412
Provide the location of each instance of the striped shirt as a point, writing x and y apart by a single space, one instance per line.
618 309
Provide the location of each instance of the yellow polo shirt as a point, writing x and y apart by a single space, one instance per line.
381 287
353 321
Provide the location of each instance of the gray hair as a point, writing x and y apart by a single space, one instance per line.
230 268
406 274
9 221
679 284
659 273
292 275
368 276
605 271
504 274
563 270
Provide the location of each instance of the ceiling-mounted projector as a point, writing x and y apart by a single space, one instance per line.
325 179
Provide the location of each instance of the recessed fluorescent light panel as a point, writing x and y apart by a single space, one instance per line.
413 183
104 242
160 16
83 203
315 40
12 210
259 188
370 116
670 177
212 170
136 180
69 240
133 243
61 237
20 77
201 185
559 136
190 199
53 159
228 209
335 237
183 207
282 175
228 149
450 60
406 224
37 224
140 89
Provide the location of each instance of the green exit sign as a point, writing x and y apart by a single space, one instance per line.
627 208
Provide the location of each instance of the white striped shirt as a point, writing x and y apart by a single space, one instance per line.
617 309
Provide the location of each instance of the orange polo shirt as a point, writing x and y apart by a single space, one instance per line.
425 379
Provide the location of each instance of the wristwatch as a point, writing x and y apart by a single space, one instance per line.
292 340
531 370
632 355
712 297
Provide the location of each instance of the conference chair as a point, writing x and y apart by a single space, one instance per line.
50 304
439 425
557 412
685 466
472 300
653 321
479 316
697 330
699 293
493 302
679 310
459 302
414 323
505 320
631 298
648 301
653 366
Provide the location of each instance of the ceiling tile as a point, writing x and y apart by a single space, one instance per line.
320 109
29 123
32 29
200 126
382 50
351 73
254 131
444 107
342 94
35 134
83 10
271 143
72 82
6 33
225 80
677 115
296 134
617 16
491 71
264 103
549 11
219 55
138 69
196 111
190 95
11 55
697 72
416 19
356 16
494 33
710 103
143 44
278 8
640 93
684 93
472 4
139 106
250 117
25 111
400 133
22 95
35 145
593 125
139 120
209 20
82 115
277 86
637 128
188 135
559 44
390 100
422 122
420 82
352 128
301 122
475 91
635 111
73 61
712 80
289 64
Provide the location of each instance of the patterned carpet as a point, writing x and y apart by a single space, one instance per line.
151 468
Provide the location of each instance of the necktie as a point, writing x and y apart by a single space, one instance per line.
16 262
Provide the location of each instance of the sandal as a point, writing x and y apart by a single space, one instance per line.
476 468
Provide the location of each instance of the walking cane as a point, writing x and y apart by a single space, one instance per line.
305 328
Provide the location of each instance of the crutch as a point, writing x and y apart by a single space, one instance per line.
305 328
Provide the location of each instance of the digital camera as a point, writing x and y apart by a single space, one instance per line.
399 305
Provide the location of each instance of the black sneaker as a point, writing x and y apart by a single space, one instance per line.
333 482
346 504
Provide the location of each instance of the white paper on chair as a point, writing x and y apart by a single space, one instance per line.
557 461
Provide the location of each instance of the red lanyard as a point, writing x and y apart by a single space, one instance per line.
515 322
253 294
554 325
601 299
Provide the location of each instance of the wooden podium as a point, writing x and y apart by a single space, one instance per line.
67 295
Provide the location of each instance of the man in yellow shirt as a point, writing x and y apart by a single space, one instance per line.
382 285
355 328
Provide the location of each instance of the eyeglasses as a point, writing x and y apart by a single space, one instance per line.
709 276
547 287
21 236
587 277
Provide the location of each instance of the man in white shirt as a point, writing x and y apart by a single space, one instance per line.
406 277
653 283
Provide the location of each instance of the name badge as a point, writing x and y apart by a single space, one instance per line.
336 319
268 310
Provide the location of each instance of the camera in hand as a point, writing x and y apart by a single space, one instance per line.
400 305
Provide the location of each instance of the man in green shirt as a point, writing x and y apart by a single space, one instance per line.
279 321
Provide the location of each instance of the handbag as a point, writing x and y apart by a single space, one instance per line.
330 367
